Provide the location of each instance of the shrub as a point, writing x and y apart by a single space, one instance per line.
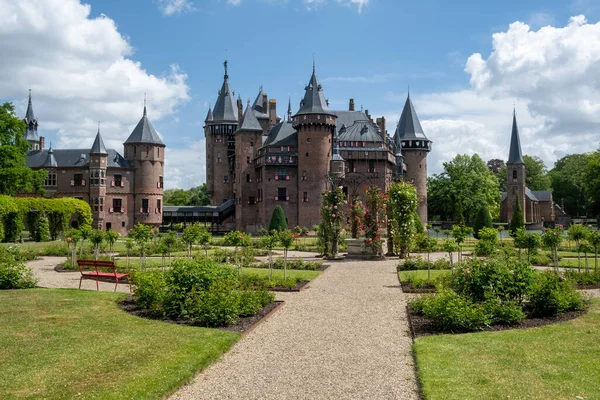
509 312
54 249
517 220
42 230
451 312
482 220
552 294
278 220
418 264
150 288
13 272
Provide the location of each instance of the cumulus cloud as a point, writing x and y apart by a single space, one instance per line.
172 7
80 71
186 167
359 4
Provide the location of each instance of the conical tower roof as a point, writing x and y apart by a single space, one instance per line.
144 132
409 126
514 155
31 122
29 116
98 146
314 100
225 109
209 115
249 121
50 161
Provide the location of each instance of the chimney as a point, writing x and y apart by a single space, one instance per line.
272 112
264 102
351 105
42 142
240 107
368 116
381 125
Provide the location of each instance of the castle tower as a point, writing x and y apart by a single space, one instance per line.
315 124
146 153
98 164
414 147
515 173
31 134
247 139
219 129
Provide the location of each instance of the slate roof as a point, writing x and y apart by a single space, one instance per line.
409 126
249 121
282 134
73 158
144 132
258 108
98 146
314 101
50 161
225 109
534 195
514 155
348 118
209 115
29 116
359 131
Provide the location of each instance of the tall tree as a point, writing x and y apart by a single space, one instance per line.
176 197
536 173
199 196
15 176
465 184
498 168
592 182
569 186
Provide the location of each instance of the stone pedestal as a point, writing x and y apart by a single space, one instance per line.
356 248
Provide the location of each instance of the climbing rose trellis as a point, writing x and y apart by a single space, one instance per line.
402 199
332 216
373 219
355 215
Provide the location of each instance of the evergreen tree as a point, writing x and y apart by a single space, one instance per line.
517 219
278 220
482 220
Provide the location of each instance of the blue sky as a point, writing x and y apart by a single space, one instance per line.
370 50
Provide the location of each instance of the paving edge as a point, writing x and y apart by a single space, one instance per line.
263 319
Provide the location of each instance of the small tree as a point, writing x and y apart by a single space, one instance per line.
269 242
128 247
594 239
169 241
204 240
531 241
237 239
373 218
191 235
111 238
577 233
450 246
426 244
551 239
142 235
332 218
488 242
482 220
85 234
72 236
286 238
517 220
97 237
278 220
459 232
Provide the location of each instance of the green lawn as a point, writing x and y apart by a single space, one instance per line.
423 274
558 361
63 344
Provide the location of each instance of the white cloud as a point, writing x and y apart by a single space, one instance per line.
172 7
186 168
234 2
80 71
359 4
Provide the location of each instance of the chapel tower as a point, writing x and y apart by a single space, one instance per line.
515 174
31 132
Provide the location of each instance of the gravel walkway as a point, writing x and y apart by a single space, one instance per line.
344 337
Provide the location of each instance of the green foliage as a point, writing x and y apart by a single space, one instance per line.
482 220
237 238
332 217
460 233
418 264
402 203
278 220
570 183
141 235
418 224
537 177
13 226
42 230
517 221
488 242
13 272
299 264
552 294
196 196
286 238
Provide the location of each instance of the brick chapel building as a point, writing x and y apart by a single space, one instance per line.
261 160
121 190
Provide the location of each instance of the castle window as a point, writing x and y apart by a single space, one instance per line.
158 151
371 166
134 150
161 183
308 140
226 179
304 175
78 180
219 157
514 175
248 180
122 224
282 194
282 174
159 205
145 206
248 159
305 197
118 180
117 204
50 179
251 200
251 144
351 166
306 154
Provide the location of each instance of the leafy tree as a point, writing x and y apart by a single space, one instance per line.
482 220
569 184
128 247
42 229
592 182
594 239
459 233
498 168
191 235
86 232
427 244
465 184
199 196
141 235
286 238
96 237
536 173
204 240
269 242
278 220
517 220
577 233
169 241
15 175
111 238
176 197
450 246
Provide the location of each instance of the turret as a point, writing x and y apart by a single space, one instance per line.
413 146
220 144
146 153
98 164
315 124
515 170
31 132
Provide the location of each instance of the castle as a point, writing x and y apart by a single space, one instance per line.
261 160
121 190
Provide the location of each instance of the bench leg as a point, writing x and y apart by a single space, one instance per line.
97 287
80 279
116 284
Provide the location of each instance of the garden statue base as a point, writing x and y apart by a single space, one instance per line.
357 249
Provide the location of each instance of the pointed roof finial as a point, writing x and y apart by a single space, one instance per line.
289 112
225 65
30 95
314 68
98 126
248 103
144 104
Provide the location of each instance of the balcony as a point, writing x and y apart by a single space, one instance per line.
116 210
117 183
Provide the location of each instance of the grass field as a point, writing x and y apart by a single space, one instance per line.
423 274
64 344
557 361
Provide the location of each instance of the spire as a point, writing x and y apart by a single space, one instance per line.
514 155
143 132
29 116
409 126
98 146
225 109
249 121
314 100
50 161
289 111
145 104
31 123
258 102
209 116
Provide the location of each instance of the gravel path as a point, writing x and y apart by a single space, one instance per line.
344 337
43 268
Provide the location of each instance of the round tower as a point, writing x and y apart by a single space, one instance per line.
97 180
146 153
315 124
414 147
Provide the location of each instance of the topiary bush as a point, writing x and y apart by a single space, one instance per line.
552 294
482 220
278 220
42 230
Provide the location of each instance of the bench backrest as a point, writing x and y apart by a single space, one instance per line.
96 264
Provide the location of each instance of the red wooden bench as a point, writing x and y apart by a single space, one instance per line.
97 273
